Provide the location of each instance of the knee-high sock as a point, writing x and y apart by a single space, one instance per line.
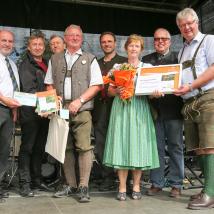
85 164
209 174
69 169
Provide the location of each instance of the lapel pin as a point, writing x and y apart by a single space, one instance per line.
84 62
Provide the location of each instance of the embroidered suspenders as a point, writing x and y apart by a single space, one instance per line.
191 63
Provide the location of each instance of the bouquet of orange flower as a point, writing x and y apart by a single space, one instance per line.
122 75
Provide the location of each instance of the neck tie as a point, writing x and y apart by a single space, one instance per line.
12 76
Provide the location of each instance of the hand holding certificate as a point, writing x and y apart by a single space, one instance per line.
164 78
46 102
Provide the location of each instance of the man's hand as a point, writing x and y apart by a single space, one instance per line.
45 115
74 106
10 102
182 90
156 94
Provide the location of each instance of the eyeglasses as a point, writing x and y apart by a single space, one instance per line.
188 24
164 39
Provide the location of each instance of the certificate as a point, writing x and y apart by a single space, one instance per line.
47 101
25 99
164 78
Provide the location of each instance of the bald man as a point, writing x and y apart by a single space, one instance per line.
169 123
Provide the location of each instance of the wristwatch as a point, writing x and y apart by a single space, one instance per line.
82 100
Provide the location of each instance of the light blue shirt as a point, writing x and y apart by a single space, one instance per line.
204 59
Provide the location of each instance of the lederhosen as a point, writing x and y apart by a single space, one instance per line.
196 111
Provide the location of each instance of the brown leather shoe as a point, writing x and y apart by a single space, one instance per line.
153 191
175 192
196 196
204 202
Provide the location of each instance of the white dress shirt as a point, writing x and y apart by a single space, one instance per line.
6 85
96 76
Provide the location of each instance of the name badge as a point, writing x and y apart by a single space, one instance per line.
64 114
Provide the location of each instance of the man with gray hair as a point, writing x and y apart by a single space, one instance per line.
9 82
77 78
57 44
197 91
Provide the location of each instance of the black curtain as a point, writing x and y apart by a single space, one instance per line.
42 14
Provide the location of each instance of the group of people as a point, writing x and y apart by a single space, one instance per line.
133 136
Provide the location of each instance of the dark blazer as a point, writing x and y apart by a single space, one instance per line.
168 107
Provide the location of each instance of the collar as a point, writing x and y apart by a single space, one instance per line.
79 52
140 64
33 61
166 52
110 60
160 54
3 57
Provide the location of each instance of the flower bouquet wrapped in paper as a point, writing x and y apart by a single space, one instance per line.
122 76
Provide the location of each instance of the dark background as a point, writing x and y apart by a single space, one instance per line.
48 15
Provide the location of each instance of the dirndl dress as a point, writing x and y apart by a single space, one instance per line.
131 139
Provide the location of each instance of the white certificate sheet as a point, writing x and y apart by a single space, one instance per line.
25 99
164 78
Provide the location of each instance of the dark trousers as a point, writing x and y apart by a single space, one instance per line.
100 131
32 149
170 132
6 132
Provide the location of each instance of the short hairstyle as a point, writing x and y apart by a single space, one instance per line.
8 31
107 33
134 38
56 36
72 26
187 12
163 29
36 35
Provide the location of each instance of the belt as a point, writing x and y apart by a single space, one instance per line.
3 106
189 100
